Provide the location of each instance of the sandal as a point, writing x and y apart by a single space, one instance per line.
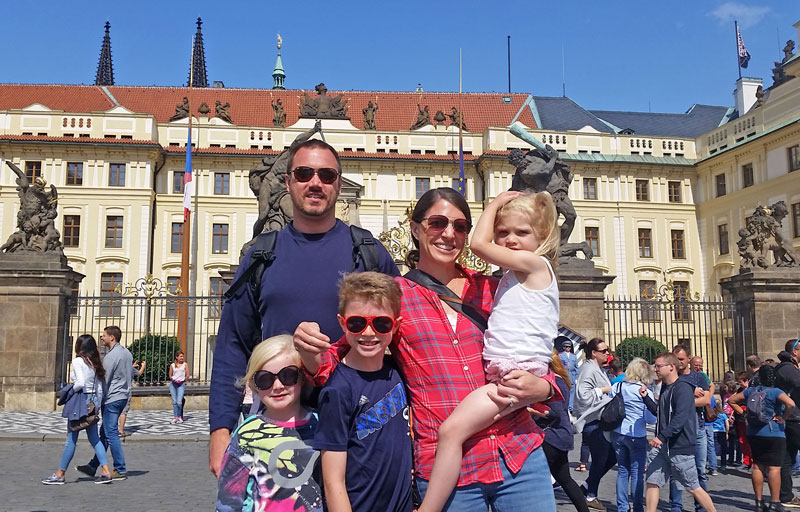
581 467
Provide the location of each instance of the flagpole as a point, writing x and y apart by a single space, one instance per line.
183 317
738 58
462 182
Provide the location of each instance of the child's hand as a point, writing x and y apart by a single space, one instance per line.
643 391
505 197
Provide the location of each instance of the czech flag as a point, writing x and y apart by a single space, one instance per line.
188 184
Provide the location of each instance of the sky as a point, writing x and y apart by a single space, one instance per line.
611 55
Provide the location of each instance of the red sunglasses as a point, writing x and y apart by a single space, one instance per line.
357 324
440 223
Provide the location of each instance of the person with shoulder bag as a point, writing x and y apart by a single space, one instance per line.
85 395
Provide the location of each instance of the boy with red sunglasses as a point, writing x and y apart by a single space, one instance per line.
363 430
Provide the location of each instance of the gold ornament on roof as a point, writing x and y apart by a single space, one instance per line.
280 41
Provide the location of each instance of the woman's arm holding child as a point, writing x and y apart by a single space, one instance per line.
334 468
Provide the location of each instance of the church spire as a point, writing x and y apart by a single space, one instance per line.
278 75
105 68
198 66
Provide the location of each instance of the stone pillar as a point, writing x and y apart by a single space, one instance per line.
767 310
34 293
582 291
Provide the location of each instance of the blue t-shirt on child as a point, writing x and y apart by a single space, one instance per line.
771 407
366 415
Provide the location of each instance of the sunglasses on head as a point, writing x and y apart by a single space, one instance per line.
357 324
288 376
440 222
326 175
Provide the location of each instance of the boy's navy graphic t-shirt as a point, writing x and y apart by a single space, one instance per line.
366 415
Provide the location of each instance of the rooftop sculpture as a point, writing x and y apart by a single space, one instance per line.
323 106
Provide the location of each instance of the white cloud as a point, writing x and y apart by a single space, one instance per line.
746 15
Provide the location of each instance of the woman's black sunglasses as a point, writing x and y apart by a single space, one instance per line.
288 376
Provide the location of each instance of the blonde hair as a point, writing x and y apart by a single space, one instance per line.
558 368
543 218
264 352
372 287
640 370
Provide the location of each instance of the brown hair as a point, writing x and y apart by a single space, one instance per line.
424 204
313 144
558 369
86 349
372 287
115 332
669 357
681 348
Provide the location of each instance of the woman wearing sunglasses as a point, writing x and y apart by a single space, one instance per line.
269 464
591 395
438 349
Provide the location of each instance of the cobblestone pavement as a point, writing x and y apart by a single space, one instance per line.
168 469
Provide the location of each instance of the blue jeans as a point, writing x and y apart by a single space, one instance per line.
603 456
72 440
712 449
631 456
109 435
177 398
676 495
530 487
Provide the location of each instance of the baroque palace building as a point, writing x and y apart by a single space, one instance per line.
660 197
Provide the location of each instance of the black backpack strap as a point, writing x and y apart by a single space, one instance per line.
446 294
261 257
365 247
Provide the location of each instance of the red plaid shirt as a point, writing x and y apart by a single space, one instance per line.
441 368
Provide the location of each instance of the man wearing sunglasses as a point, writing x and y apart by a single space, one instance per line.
300 284
787 378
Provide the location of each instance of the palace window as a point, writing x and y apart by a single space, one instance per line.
674 190
721 188
116 175
72 230
109 281
217 289
222 183
173 282
747 175
593 239
681 294
645 243
678 249
642 192
422 186
219 242
722 232
796 218
33 170
177 182
794 158
590 188
176 237
74 173
114 231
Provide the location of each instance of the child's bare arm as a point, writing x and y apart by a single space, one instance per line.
334 467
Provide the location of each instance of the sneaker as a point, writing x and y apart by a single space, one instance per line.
712 472
179 420
743 467
174 420
116 475
53 479
794 503
103 479
595 504
775 506
87 470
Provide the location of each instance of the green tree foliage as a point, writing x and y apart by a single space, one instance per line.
640 346
158 352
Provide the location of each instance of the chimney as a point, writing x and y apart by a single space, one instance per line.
745 94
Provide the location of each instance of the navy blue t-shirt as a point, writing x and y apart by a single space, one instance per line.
366 415
697 380
301 285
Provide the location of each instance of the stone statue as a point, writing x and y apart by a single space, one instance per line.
423 118
539 170
762 235
439 117
323 106
280 114
268 182
456 119
223 111
181 110
759 96
203 109
369 115
788 50
36 229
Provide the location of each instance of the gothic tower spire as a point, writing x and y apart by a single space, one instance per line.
278 75
197 69
105 68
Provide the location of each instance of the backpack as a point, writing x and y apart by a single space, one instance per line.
613 412
756 413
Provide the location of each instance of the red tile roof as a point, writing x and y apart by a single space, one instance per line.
69 98
77 140
253 107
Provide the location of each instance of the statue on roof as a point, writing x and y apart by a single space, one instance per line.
762 236
456 118
788 50
369 115
423 117
439 117
223 111
759 96
280 114
203 109
323 106
36 228
268 183
181 110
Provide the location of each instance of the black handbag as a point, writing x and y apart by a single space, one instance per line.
613 413
92 417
